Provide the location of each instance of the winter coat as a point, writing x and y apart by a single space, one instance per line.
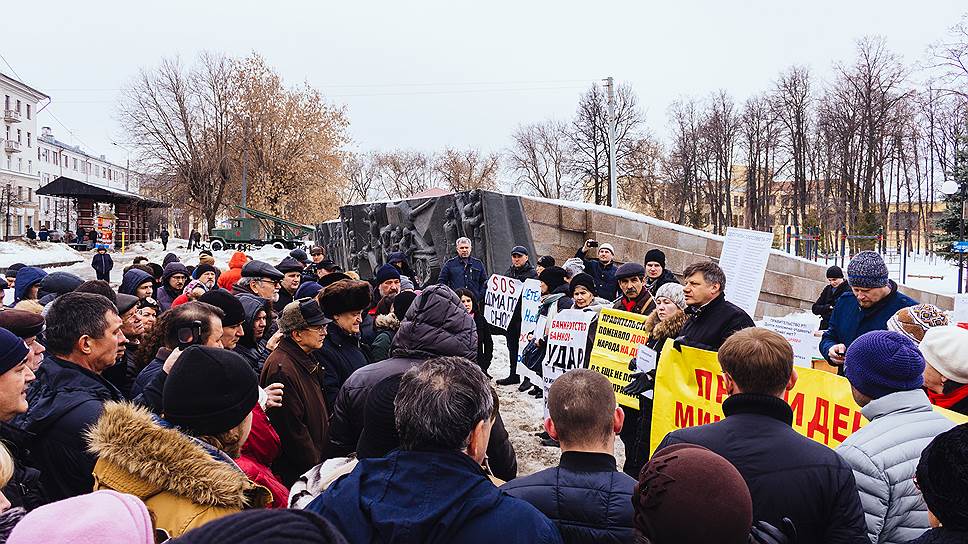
707 327
664 278
942 535
848 320
826 302
228 278
318 479
586 497
64 400
285 297
183 481
428 498
884 455
149 372
303 420
253 351
164 235
386 327
644 304
124 372
133 279
469 273
756 437
524 272
166 295
485 342
24 488
259 453
606 286
27 277
340 356
102 263
56 284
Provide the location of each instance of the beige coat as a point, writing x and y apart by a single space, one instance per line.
181 483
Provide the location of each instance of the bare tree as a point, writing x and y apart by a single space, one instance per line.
465 169
539 159
792 100
180 123
406 173
951 56
363 175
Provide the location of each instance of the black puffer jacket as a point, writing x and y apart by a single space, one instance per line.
586 497
24 488
664 278
942 535
709 326
436 325
253 351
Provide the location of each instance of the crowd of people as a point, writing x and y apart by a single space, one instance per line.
295 402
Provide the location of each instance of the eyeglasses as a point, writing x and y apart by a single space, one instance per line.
272 282
317 328
177 277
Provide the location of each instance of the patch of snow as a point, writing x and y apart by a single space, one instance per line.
37 253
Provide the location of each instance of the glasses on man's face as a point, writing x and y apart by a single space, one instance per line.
317 328
271 282
179 277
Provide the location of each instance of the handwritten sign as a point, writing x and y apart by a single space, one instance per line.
567 337
500 299
530 303
805 345
617 339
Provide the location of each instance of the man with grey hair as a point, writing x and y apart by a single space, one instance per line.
464 271
712 319
433 488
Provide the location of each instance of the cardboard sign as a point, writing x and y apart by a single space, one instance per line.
743 259
617 339
567 337
806 346
530 302
500 299
690 390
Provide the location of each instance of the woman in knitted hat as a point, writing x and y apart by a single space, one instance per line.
942 477
341 355
914 321
946 367
582 291
182 464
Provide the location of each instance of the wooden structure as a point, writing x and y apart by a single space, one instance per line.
130 208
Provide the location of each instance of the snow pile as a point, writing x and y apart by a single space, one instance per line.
37 253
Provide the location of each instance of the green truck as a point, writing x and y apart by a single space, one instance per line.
257 230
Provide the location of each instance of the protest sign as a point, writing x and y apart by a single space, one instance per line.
530 302
566 340
743 259
960 315
500 299
617 338
690 389
806 346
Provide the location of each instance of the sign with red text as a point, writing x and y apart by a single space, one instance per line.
500 299
617 340
690 390
566 340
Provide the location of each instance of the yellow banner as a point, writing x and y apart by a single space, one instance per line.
617 338
689 391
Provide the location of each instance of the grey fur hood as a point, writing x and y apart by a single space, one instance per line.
436 325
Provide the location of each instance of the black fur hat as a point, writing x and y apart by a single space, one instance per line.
344 296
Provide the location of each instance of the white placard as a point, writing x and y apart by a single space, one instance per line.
530 303
960 315
806 346
500 300
567 339
645 360
743 259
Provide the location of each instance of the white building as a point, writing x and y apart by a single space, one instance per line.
19 177
55 159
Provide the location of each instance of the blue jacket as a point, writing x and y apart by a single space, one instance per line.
428 498
27 277
849 320
586 497
606 285
466 273
64 401
102 263
132 279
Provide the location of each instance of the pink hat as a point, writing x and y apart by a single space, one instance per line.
103 517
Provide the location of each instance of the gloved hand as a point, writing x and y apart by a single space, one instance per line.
641 382
764 533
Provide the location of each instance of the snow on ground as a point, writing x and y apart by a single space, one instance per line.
522 416
36 252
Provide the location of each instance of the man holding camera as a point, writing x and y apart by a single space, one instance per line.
601 269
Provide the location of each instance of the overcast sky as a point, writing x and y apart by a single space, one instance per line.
424 74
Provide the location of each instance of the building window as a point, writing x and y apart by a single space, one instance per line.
28 112
18 106
20 165
30 167
19 139
6 102
30 194
75 165
28 141
20 192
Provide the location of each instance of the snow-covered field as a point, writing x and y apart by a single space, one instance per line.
522 416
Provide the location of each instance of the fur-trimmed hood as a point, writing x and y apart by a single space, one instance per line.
663 330
137 455
387 321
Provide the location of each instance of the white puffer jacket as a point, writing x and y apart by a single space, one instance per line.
884 455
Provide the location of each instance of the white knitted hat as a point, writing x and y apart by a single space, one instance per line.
946 349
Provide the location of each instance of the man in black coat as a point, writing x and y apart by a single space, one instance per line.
520 270
439 327
656 274
828 297
586 496
603 268
83 338
788 474
712 319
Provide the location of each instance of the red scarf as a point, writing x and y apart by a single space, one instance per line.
628 303
947 400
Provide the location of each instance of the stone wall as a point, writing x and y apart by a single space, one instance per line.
790 283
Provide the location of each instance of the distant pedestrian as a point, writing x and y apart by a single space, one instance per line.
102 263
191 239
43 235
836 286
31 233
164 238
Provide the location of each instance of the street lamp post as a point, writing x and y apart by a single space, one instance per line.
951 187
